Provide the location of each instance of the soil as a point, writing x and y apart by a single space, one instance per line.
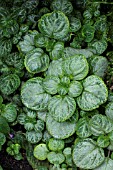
9 163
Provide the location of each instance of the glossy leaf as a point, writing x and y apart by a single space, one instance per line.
94 94
61 108
76 67
75 24
40 40
60 130
54 25
100 46
5 47
33 95
87 155
107 164
75 89
88 32
55 158
36 61
109 110
11 81
33 137
103 141
40 151
56 144
62 5
100 124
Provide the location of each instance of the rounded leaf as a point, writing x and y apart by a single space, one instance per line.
54 25
40 152
40 40
87 155
9 112
61 108
100 46
62 5
75 89
109 110
60 130
4 127
2 139
75 24
33 137
103 141
36 61
55 158
29 126
56 144
100 124
94 94
33 95
39 126
5 47
76 67
106 165
11 82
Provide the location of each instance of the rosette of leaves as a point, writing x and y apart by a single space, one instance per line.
87 155
57 27
33 94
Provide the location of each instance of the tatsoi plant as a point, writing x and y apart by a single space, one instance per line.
55 66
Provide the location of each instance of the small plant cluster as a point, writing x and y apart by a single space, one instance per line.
56 83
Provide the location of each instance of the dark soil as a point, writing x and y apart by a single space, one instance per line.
9 163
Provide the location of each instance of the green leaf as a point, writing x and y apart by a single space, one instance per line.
36 61
9 112
61 108
83 128
54 25
11 81
100 124
88 32
56 144
75 24
50 84
87 155
100 46
62 5
109 110
60 130
55 158
98 65
33 94
5 47
27 44
40 40
2 139
94 94
4 127
40 152
76 67
57 51
106 165
75 89
103 141
33 137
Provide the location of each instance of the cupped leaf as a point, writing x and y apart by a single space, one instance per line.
88 32
62 5
50 84
100 124
57 51
61 108
27 44
36 61
98 65
39 126
60 130
55 158
106 165
83 128
87 155
76 67
33 94
11 82
103 141
56 144
40 152
54 25
75 24
9 112
29 126
55 68
109 110
40 40
33 137
69 51
94 94
75 89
